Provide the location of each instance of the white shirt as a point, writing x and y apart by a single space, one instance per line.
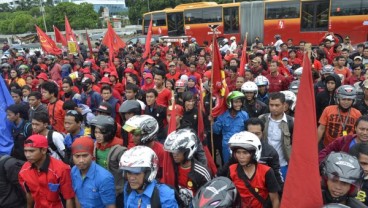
224 48
274 138
58 140
277 45
233 47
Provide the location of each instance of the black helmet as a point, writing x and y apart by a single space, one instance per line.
219 192
107 126
130 106
344 167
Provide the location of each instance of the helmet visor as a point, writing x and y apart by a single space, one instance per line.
134 170
129 128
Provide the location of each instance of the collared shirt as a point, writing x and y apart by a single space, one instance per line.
96 189
274 137
167 196
47 183
69 138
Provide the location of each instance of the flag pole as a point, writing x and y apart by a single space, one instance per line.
214 29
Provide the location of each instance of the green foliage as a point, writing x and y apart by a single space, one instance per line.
23 19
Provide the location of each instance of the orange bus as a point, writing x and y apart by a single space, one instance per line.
300 20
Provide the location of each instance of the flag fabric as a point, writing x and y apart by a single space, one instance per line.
243 60
69 34
113 43
6 139
148 41
219 86
303 172
168 167
89 44
47 44
59 38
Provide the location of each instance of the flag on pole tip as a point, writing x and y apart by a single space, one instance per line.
148 41
59 37
47 44
303 171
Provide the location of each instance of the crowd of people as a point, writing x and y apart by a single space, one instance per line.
90 133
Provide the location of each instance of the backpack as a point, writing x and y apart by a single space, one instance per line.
51 144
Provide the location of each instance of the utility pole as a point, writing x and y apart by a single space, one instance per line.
42 10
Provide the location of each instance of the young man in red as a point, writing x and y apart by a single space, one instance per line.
44 178
164 95
277 81
255 182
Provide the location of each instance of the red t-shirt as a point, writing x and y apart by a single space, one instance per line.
183 177
163 97
174 77
56 116
158 148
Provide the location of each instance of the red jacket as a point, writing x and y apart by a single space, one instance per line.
340 144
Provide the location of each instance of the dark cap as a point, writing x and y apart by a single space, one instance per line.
105 107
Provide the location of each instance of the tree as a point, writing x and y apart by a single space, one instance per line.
5 7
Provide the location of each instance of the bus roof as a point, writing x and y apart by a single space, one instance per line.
195 5
230 4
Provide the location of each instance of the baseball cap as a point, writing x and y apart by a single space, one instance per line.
358 57
347 38
105 80
148 75
36 141
285 59
83 144
172 64
43 76
105 107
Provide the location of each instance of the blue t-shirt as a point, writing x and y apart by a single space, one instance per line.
69 139
167 196
97 189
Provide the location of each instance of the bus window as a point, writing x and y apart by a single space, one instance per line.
205 15
231 20
175 24
159 19
347 8
282 10
315 15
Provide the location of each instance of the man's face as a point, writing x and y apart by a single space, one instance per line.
38 126
71 126
66 87
135 180
201 60
150 99
337 188
82 160
17 99
345 103
328 44
345 54
237 104
284 47
11 116
255 129
172 69
159 81
33 102
178 157
363 161
331 85
189 104
34 155
233 63
46 95
239 82
249 96
357 71
136 138
248 76
116 62
106 94
243 156
301 46
362 131
192 68
102 64
276 107
130 94
273 67
341 62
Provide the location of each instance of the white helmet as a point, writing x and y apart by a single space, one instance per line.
290 97
4 57
140 159
182 140
232 38
225 40
250 86
247 141
145 125
261 80
298 71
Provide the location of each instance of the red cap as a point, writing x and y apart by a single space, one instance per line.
36 141
150 61
86 71
114 73
107 70
105 80
207 74
148 75
20 58
43 76
83 144
179 110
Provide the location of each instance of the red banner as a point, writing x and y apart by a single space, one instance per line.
47 44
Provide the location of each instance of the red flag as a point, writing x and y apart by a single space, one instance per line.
148 41
113 42
69 35
47 44
168 168
59 38
303 173
89 44
243 59
219 88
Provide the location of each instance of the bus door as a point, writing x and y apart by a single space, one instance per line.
231 20
252 19
175 24
315 15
